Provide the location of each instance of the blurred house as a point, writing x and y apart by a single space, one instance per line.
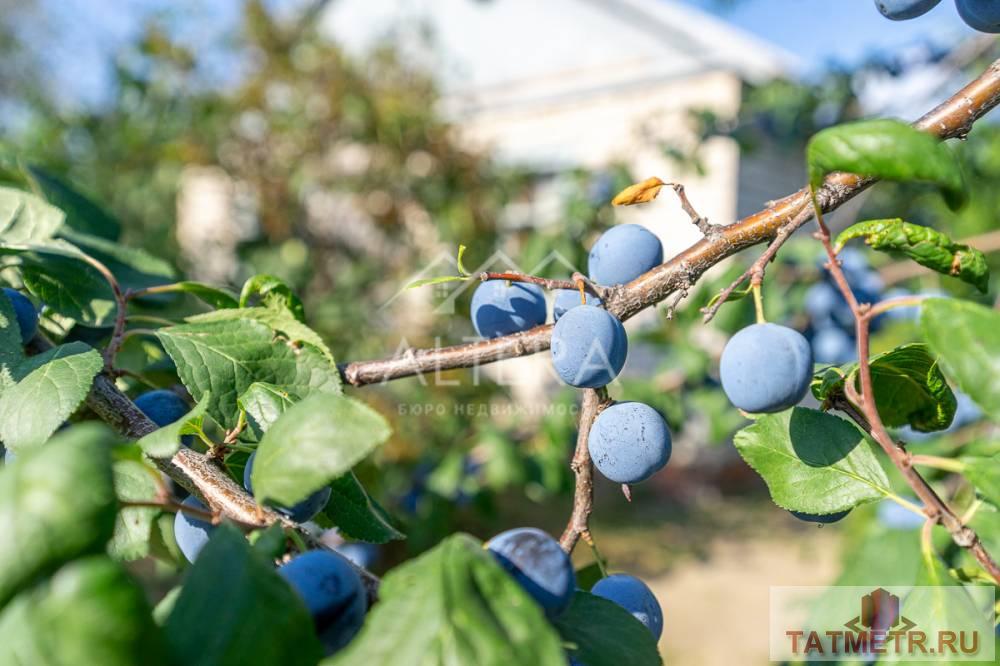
560 84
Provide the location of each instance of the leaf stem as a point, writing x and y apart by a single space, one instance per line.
938 462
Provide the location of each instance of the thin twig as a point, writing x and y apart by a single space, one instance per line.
121 309
548 283
934 507
755 273
583 468
704 226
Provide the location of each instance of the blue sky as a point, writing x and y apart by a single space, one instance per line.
83 33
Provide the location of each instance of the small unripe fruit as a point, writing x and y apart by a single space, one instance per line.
629 442
500 308
333 593
634 596
766 368
305 510
623 253
589 346
538 564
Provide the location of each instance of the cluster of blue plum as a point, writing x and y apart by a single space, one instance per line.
543 569
981 15
326 581
831 329
628 441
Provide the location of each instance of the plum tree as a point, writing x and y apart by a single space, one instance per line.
24 310
305 510
629 442
766 368
539 564
634 596
589 347
500 307
902 10
982 15
191 532
823 519
623 253
566 299
163 407
333 593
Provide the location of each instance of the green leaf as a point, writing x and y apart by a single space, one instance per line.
966 338
215 296
926 246
435 280
356 515
276 316
234 609
908 385
453 605
605 634
224 358
134 482
164 442
56 504
90 612
813 462
269 290
82 214
888 150
312 443
984 474
269 542
40 392
264 403
26 218
69 287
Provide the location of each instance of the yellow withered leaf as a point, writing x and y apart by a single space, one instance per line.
639 193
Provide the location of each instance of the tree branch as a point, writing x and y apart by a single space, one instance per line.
936 509
583 497
952 119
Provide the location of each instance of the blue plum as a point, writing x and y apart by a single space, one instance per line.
833 345
981 15
365 555
629 442
570 298
623 253
820 302
24 310
589 346
903 10
897 517
161 406
634 596
333 593
766 368
538 564
8 457
190 532
822 519
500 307
305 510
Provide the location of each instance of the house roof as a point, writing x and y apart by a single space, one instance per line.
491 52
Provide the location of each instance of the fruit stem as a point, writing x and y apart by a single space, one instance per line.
758 304
937 462
906 504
